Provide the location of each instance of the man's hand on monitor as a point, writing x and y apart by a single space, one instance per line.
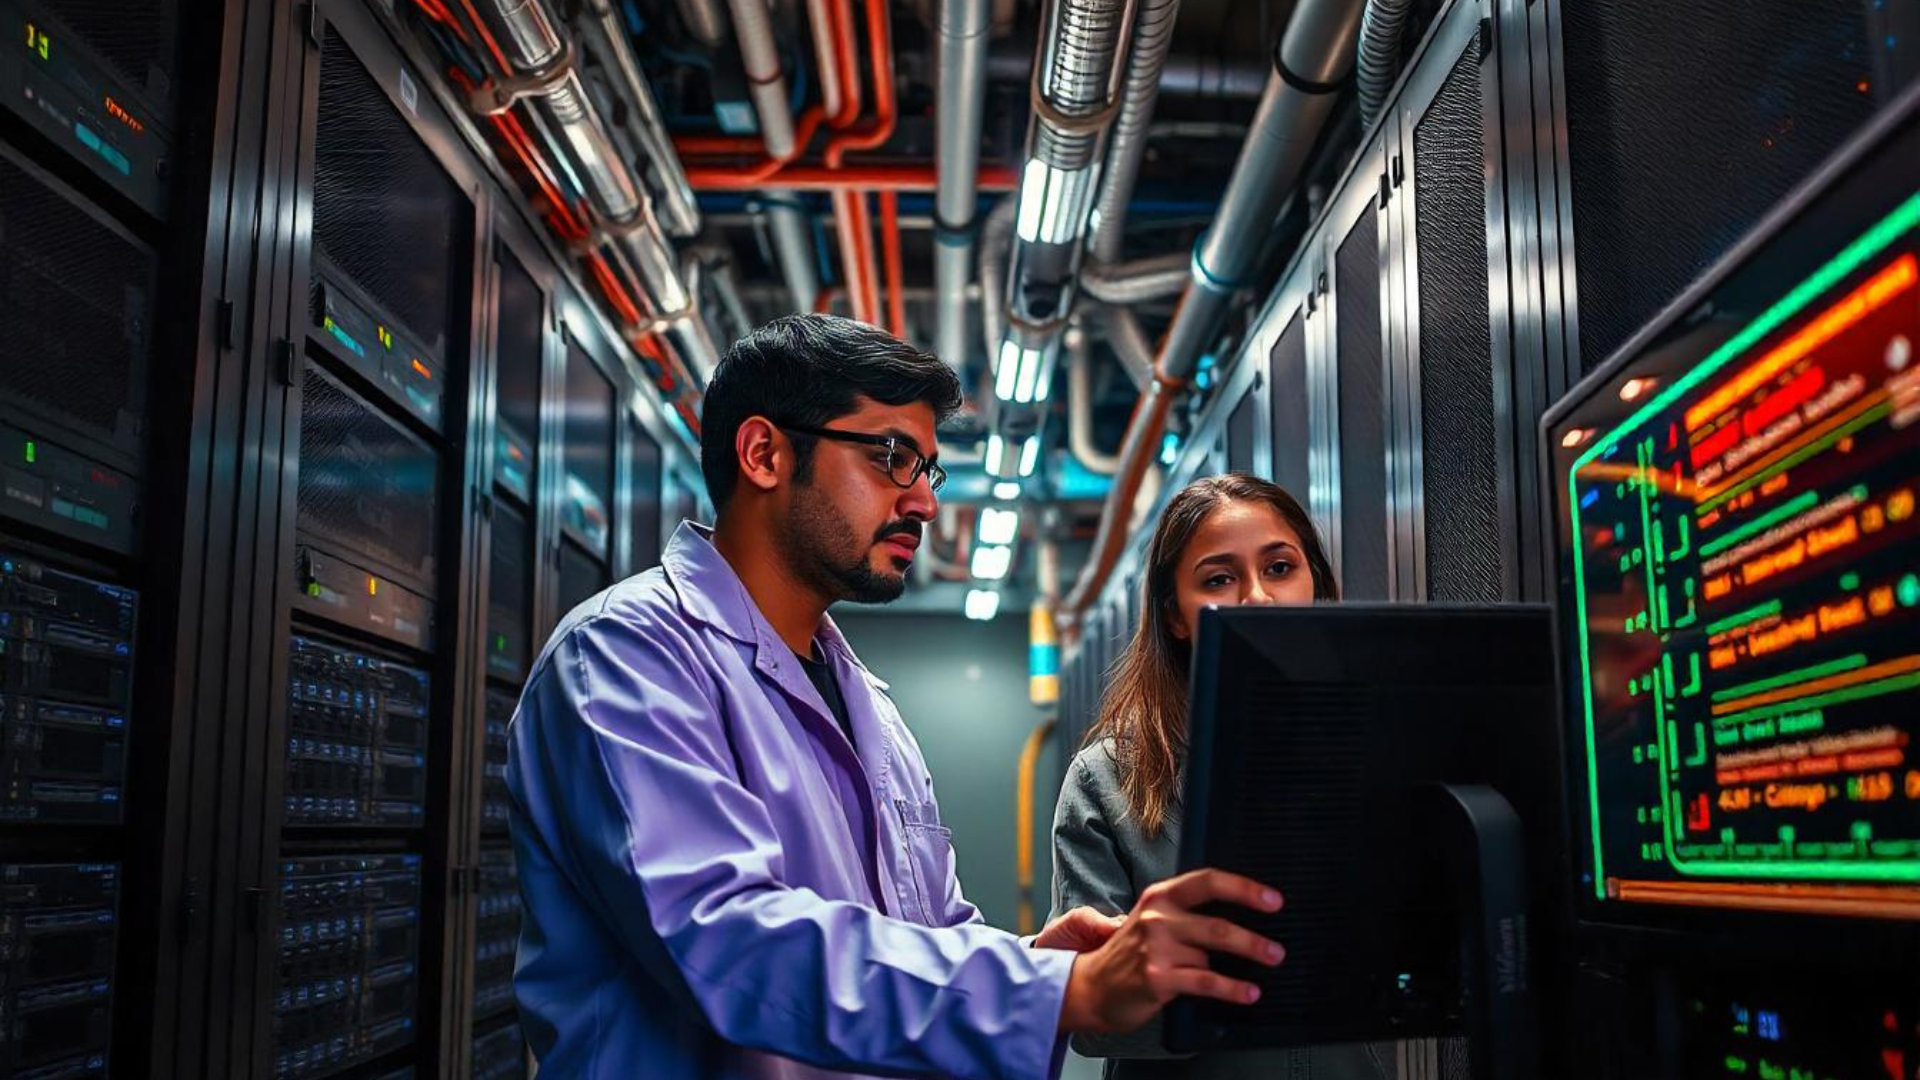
1160 952
1081 930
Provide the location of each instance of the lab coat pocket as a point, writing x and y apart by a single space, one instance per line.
929 856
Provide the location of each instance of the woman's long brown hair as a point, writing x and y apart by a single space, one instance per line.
1145 707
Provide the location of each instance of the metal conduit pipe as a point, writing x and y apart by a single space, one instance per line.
678 212
541 61
704 21
1212 77
962 28
1315 54
1128 341
793 248
1381 30
996 240
767 84
1133 282
1080 407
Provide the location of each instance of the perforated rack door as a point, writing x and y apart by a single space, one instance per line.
385 212
1465 525
1684 124
76 309
367 485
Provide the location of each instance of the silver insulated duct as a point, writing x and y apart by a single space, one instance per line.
963 29
543 72
1076 94
1314 56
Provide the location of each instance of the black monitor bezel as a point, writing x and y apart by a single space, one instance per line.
1844 939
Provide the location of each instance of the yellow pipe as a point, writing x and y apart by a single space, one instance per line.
1023 819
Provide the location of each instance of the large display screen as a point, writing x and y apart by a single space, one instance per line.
1739 570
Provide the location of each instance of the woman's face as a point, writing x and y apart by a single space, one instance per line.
1243 553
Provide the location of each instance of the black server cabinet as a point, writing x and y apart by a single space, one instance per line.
378 634
523 355
87 137
1356 347
587 478
1459 431
642 488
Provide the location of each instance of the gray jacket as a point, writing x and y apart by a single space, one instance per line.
1102 859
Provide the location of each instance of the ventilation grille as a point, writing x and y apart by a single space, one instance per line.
1686 122
1287 368
384 212
75 304
1363 454
136 38
520 341
366 485
1315 767
1456 350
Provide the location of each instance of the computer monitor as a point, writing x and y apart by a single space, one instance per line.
1738 563
1319 741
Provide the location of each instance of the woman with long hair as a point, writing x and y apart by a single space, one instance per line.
1230 539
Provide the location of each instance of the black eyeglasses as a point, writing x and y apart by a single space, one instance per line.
904 463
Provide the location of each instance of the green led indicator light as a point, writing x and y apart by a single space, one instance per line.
313 589
499 643
1850 581
1910 590
33 452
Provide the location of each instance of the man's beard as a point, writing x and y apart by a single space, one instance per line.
826 553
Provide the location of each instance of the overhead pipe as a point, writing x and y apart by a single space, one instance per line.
538 66
1134 282
962 31
890 255
1080 407
793 249
704 20
1382 29
1120 286
677 210
851 204
901 178
1129 342
1314 57
996 241
766 82
1216 78
1076 93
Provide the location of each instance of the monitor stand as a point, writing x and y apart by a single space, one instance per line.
1480 840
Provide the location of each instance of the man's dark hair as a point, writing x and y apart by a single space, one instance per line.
809 370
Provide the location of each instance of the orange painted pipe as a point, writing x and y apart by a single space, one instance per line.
851 178
890 252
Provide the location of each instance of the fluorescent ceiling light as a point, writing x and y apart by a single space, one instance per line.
991 563
998 526
982 604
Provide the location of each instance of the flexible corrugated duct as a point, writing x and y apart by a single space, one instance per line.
1076 95
1381 30
1314 56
